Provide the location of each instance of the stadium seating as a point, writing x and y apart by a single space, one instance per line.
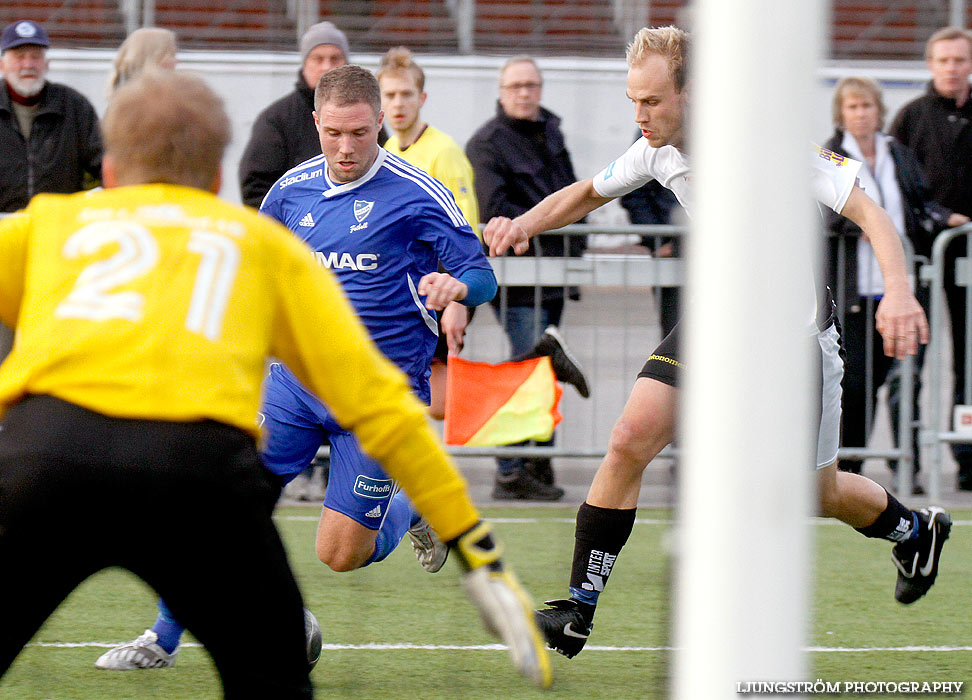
872 29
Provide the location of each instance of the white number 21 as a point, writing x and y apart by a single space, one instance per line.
94 297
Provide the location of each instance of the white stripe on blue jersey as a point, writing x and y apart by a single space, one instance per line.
429 184
429 321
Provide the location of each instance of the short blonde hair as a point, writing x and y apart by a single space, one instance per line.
669 42
166 126
947 34
148 46
860 85
398 61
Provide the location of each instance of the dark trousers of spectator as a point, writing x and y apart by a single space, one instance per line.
523 329
80 492
668 307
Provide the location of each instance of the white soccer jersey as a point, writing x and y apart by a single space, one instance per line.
832 177
642 163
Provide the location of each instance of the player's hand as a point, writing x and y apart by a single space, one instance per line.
902 324
504 607
439 288
455 318
502 233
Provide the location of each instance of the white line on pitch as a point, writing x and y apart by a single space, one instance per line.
534 521
529 521
375 646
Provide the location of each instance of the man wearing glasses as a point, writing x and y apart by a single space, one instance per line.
518 158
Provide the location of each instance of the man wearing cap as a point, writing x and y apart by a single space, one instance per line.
49 137
284 133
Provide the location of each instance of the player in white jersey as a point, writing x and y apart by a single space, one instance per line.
657 86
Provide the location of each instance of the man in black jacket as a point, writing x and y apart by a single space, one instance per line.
938 127
49 135
518 158
284 134
49 138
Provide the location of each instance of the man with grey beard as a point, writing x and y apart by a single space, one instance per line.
49 137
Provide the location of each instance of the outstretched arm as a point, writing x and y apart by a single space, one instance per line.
899 319
565 206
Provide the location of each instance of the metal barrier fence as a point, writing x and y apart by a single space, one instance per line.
933 434
615 325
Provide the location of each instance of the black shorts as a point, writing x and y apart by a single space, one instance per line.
78 491
664 364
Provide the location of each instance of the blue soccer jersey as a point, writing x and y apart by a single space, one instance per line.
381 234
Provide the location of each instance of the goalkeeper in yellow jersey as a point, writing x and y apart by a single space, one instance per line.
144 314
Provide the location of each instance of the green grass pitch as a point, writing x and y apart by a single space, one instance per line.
376 620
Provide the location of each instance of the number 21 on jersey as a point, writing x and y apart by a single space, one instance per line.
95 295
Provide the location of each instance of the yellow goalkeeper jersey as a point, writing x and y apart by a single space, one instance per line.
162 302
438 155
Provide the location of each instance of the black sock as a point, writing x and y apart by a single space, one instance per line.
896 523
598 538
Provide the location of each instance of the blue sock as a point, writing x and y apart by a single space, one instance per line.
168 628
584 596
399 518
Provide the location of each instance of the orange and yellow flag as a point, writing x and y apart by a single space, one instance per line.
500 404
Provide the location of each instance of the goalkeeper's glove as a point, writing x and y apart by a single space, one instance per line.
504 607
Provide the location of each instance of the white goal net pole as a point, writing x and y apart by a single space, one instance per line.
748 418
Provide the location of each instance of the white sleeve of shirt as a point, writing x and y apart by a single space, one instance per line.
631 170
832 177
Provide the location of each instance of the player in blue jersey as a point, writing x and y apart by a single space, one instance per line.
382 226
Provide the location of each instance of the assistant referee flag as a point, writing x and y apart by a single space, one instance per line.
500 404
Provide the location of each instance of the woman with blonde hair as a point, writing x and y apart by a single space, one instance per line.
148 46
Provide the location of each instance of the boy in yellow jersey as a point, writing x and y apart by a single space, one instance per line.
144 314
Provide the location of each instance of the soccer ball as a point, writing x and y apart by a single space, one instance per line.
312 634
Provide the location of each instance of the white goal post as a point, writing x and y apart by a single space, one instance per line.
748 424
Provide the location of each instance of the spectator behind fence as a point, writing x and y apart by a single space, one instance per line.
519 157
284 134
654 204
892 176
143 48
938 127
49 138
